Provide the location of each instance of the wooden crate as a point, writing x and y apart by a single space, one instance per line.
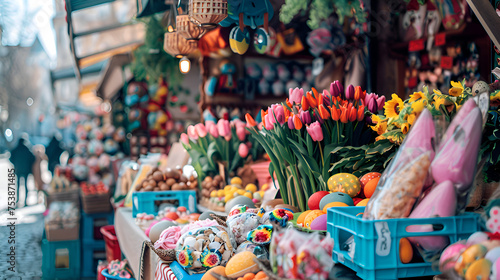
96 203
62 234
72 195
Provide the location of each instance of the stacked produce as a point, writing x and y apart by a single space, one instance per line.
170 179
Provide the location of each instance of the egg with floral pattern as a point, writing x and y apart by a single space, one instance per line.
346 183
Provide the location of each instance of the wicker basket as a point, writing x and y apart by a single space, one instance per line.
96 203
166 256
178 46
187 29
207 13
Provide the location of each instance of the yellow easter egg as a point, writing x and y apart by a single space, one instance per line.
249 195
241 264
220 193
265 187
405 250
334 204
228 188
346 183
240 192
251 187
228 197
363 202
311 216
236 181
479 269
213 194
220 270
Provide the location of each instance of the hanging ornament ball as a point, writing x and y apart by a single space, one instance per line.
239 40
261 40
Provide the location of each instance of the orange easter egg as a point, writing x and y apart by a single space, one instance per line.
363 202
172 215
311 216
301 218
334 204
370 187
368 177
405 250
220 270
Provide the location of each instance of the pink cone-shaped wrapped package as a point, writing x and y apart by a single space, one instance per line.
402 182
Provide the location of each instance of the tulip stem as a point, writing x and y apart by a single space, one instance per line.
321 153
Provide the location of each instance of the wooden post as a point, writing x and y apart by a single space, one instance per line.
486 14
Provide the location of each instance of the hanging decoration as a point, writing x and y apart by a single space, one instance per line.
185 27
207 13
178 46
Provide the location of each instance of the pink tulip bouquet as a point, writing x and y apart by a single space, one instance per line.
225 142
303 134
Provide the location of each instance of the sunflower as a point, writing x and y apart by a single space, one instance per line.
456 89
380 126
393 106
438 101
396 137
405 128
416 96
418 106
411 118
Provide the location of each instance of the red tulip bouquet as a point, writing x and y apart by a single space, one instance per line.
225 142
303 134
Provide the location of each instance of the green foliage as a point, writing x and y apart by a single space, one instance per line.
490 146
150 60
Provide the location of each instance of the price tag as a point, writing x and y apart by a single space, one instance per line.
446 62
416 45
440 39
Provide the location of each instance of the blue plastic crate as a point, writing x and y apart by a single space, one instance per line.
56 251
90 226
92 253
181 274
378 258
109 277
144 202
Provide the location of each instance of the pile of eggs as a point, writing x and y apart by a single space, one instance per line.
478 258
234 190
344 190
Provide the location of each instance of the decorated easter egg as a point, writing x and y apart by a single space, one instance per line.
311 216
346 183
172 215
280 217
476 238
243 200
370 187
239 225
237 209
241 264
315 199
261 235
493 255
219 270
239 40
479 269
334 204
368 177
261 40
158 228
470 255
257 196
405 250
319 223
302 216
288 207
450 256
363 202
336 197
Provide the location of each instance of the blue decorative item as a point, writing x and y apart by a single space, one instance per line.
252 12
208 116
253 71
283 72
269 72
261 40
226 80
239 40
210 85
131 100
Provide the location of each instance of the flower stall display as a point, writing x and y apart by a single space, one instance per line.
303 135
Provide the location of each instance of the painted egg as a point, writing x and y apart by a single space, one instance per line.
319 223
239 40
479 269
493 255
172 215
243 200
368 177
370 187
336 197
334 204
280 217
363 202
476 238
237 209
472 254
219 270
495 270
241 264
261 235
261 40
346 183
257 196
311 216
450 256
302 216
315 198
241 224
405 250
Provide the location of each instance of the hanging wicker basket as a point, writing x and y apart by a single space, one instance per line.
207 13
187 29
178 46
